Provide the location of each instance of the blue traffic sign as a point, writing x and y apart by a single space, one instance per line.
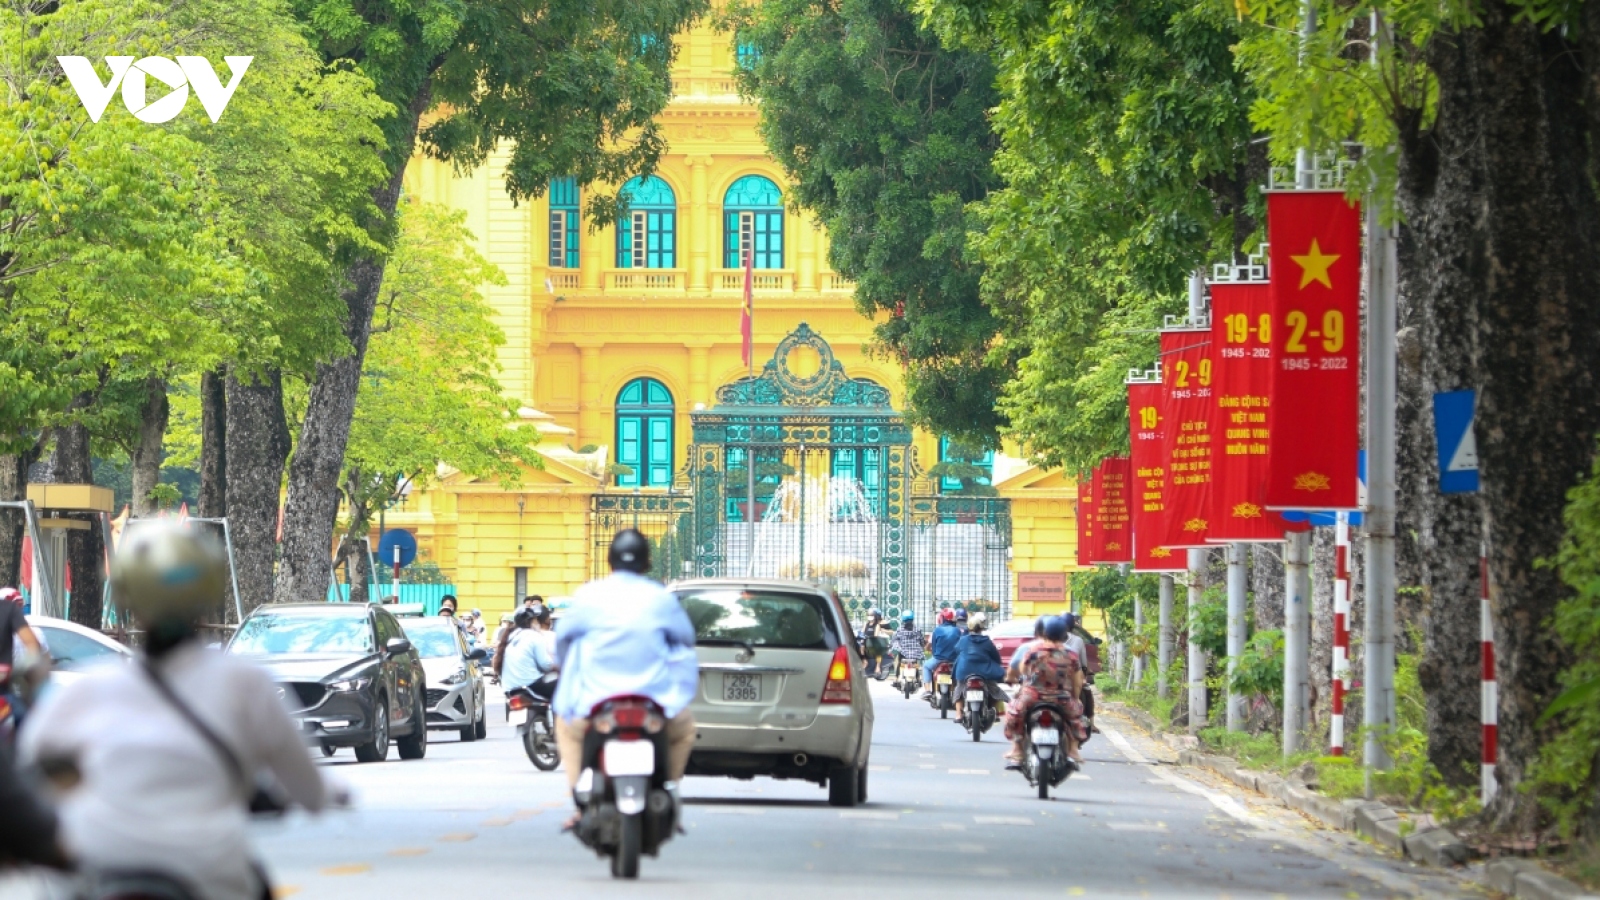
393 540
1453 415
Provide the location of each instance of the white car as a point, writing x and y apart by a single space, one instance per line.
782 686
74 649
455 693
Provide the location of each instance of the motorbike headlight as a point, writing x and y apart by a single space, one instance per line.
457 678
351 684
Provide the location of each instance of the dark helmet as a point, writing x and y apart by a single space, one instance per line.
524 617
1055 628
961 615
630 551
1071 620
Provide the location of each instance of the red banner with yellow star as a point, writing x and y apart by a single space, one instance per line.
1148 466
1315 416
1085 518
1241 338
1113 542
1187 373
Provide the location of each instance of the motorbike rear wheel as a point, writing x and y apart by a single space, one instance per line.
630 843
944 705
540 746
1044 789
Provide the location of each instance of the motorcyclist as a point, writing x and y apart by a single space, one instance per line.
531 653
961 620
154 762
1047 672
873 642
24 658
625 635
978 657
941 648
908 641
1075 642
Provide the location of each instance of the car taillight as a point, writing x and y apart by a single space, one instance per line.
837 689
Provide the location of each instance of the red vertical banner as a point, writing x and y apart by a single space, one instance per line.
1113 521
1085 518
1187 373
1241 340
1149 480
1316 327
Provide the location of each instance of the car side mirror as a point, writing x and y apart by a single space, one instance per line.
478 654
396 646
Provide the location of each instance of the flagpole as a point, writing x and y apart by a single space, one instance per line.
750 365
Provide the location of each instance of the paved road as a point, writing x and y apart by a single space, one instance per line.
943 817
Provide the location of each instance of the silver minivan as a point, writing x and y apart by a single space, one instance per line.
782 692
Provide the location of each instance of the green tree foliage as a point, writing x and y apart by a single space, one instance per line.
886 138
429 393
1126 162
964 463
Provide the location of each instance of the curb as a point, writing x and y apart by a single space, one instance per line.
1519 878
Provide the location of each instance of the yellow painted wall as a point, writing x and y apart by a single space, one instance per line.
576 336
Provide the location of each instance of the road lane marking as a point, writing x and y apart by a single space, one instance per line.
351 869
410 851
458 837
1136 826
869 815
969 771
878 768
1002 820
284 890
497 822
733 811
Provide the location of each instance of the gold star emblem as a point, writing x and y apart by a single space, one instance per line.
1195 525
1160 553
1314 266
1113 546
1312 481
1247 511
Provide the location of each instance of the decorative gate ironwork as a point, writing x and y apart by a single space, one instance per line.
838 497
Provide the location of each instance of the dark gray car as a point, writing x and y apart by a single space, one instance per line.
347 672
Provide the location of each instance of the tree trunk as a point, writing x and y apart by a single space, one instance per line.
313 502
147 451
13 525
1267 585
257 446
213 500
71 464
1506 239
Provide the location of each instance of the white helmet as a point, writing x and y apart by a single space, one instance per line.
978 622
163 572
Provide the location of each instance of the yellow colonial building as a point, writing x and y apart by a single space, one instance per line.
624 350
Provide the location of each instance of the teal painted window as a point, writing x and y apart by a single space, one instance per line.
563 223
647 234
950 485
748 55
769 474
865 465
645 433
752 213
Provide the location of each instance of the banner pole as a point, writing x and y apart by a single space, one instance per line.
1341 631
1238 596
1198 712
1164 652
1491 689
1377 643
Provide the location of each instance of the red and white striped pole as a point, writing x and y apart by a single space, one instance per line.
1491 691
1341 630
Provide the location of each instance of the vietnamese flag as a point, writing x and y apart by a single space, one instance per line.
1187 374
1149 471
1241 335
1113 523
1085 517
1315 415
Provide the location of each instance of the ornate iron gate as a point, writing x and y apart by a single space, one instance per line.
838 497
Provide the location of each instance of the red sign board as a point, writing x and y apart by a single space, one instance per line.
1048 588
1113 521
1316 292
1149 481
1241 335
1187 373
1085 518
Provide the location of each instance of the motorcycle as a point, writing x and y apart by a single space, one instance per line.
1045 762
977 714
942 697
909 678
536 728
624 807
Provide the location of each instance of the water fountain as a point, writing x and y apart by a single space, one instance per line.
820 529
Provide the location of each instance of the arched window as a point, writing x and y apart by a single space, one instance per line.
563 223
647 234
964 470
752 212
644 433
